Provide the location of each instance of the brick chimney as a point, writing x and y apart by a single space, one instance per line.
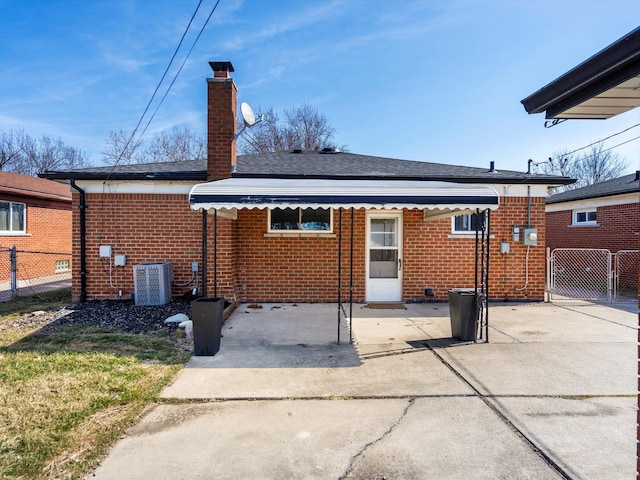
221 122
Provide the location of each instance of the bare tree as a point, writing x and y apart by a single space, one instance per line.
594 166
597 165
121 149
304 127
10 148
178 144
23 154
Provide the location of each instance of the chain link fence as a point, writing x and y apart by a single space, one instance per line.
24 272
626 285
592 274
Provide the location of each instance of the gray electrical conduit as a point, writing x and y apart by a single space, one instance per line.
526 269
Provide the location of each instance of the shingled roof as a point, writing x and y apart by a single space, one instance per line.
617 186
27 186
312 164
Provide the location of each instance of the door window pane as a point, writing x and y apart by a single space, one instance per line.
383 232
383 263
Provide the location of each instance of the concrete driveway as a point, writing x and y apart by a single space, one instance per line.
552 395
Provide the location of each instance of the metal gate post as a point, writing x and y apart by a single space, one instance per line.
548 279
610 277
14 271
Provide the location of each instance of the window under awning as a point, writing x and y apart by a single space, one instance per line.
260 193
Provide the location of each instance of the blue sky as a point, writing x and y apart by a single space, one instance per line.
420 80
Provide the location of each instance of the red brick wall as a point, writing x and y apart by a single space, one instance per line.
301 269
432 259
48 229
146 228
617 229
255 267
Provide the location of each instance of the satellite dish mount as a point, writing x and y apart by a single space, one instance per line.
249 118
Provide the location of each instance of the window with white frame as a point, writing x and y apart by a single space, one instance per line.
300 219
584 217
12 217
464 223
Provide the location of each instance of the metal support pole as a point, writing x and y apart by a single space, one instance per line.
215 253
14 271
486 313
204 253
339 269
351 284
475 280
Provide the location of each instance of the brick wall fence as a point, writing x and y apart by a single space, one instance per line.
254 266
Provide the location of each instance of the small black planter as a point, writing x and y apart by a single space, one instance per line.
206 314
463 312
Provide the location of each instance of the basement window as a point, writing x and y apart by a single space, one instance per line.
300 220
12 217
584 217
62 266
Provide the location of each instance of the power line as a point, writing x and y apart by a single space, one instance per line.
603 139
133 133
180 69
560 157
611 148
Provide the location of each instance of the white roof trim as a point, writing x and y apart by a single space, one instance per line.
260 193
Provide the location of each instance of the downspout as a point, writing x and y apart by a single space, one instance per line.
83 242
528 206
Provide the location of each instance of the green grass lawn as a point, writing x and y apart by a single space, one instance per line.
68 394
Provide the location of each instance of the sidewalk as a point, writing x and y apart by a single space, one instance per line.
553 394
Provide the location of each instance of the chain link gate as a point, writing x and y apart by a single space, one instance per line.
626 275
592 274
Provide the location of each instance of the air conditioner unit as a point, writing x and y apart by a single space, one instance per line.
152 283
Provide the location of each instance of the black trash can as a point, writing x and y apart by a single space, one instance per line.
206 315
463 311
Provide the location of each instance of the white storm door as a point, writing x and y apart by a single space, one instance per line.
384 257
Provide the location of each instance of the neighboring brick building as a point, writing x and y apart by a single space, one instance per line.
35 216
275 222
605 215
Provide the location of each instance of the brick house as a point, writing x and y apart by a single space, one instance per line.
35 216
272 227
605 215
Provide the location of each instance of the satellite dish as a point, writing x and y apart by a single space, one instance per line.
247 114
249 118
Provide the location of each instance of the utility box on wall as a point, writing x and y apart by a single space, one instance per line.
530 236
152 283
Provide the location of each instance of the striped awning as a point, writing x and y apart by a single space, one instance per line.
269 193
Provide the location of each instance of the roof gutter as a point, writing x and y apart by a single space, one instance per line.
83 242
611 66
524 179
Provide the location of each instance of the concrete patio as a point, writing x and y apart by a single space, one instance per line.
552 395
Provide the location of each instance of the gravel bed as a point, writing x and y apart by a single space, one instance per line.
122 315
